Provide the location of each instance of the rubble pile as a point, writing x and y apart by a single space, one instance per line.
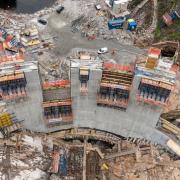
24 155
95 23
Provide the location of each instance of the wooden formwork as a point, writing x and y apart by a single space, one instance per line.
118 81
158 83
150 101
111 103
56 84
67 102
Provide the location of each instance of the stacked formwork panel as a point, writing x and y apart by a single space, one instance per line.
13 86
8 123
154 91
57 110
115 85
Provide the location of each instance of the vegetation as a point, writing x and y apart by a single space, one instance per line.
167 33
134 3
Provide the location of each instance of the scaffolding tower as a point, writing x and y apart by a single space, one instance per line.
154 91
13 86
57 109
115 85
84 77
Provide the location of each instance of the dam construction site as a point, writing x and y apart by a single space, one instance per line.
89 90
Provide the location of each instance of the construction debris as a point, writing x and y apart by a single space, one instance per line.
54 81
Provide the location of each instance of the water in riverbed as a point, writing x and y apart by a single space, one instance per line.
25 6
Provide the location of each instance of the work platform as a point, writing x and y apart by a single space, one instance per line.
139 120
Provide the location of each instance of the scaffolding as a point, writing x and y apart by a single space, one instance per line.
154 91
13 86
7 59
58 112
57 107
115 85
56 84
84 77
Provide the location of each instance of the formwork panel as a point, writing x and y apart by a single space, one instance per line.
138 121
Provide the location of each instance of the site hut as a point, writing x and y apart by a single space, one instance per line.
57 103
115 85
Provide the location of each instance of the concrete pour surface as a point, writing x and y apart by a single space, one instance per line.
139 120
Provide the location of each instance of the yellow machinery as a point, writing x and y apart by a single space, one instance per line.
5 120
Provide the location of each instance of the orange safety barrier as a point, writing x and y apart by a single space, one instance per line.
119 67
8 59
154 51
59 83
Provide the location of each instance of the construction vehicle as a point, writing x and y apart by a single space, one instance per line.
84 77
33 42
103 50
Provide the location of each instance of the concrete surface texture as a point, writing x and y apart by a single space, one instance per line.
139 120
30 109
54 94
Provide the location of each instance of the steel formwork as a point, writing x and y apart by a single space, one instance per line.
115 85
154 91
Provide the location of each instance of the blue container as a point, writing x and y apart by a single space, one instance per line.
115 24
132 25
